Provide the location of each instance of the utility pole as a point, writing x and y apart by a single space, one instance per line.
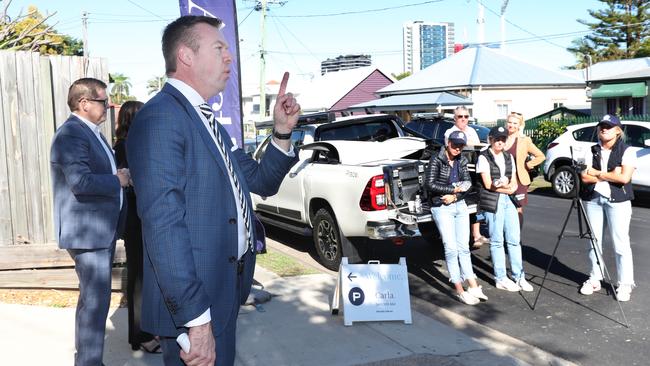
84 27
262 4
504 5
480 21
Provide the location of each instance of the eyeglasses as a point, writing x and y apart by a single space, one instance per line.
462 116
102 101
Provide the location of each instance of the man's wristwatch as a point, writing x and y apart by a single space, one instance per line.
281 136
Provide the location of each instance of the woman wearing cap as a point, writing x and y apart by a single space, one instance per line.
447 181
608 194
521 147
498 175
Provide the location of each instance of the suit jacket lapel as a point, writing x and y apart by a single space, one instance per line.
94 142
197 124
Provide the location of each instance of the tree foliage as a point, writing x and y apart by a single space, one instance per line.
155 84
121 88
620 31
402 75
30 32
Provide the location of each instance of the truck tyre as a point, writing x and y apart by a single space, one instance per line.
565 182
327 239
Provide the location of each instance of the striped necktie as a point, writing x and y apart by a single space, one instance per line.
209 115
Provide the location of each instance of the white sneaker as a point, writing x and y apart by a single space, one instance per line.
525 286
467 298
589 287
508 285
477 292
623 292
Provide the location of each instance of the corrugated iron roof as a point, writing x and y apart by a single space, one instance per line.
479 66
413 101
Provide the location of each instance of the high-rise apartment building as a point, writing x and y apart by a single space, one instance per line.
426 43
344 63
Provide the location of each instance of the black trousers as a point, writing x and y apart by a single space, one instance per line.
134 259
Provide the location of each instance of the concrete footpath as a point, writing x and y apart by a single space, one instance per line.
294 328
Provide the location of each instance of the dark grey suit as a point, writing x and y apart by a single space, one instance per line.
87 219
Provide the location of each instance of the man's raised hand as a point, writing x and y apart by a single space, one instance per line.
286 110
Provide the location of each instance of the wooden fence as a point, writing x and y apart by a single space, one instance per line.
33 103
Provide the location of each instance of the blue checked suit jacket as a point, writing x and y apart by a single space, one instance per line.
189 214
86 193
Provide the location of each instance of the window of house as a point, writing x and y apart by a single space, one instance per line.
611 105
557 104
502 110
637 106
625 104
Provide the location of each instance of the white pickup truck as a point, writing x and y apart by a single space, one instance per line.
353 181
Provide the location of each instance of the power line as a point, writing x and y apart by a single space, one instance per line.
246 17
521 28
147 10
275 22
356 11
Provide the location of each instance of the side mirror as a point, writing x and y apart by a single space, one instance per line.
646 143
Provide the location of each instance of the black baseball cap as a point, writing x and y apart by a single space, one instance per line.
498 131
611 120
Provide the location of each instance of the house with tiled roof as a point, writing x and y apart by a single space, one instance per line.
496 83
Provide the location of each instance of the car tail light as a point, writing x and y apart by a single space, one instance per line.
374 195
551 145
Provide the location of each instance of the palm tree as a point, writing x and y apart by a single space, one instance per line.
121 88
155 84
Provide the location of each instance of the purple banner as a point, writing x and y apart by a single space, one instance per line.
227 104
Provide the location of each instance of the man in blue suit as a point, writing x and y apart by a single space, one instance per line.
193 194
88 210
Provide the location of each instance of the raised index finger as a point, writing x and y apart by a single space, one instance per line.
283 84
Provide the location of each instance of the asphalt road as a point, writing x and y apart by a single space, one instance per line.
586 330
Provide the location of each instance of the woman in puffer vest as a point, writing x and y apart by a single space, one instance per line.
498 175
608 194
447 181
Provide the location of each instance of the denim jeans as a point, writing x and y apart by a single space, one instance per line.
618 215
453 225
505 220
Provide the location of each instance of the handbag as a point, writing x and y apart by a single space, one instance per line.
488 200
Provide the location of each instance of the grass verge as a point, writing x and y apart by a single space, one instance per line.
282 264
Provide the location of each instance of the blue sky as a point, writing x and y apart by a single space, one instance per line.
127 32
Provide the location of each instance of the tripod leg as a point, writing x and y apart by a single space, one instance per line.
557 244
604 272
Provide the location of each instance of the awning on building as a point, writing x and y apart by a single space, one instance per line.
635 90
413 102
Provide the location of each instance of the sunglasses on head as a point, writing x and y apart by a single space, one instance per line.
517 114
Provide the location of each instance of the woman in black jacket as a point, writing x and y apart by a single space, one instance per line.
447 181
607 197
138 338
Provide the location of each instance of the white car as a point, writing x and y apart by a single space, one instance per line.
558 166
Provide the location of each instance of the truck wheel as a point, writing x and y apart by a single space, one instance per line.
564 182
327 239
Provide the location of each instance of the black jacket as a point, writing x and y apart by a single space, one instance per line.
619 192
437 182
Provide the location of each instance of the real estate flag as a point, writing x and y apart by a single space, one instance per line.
226 105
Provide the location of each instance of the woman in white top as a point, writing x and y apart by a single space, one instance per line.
608 195
498 172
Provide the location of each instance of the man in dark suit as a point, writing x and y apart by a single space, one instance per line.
88 210
193 195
